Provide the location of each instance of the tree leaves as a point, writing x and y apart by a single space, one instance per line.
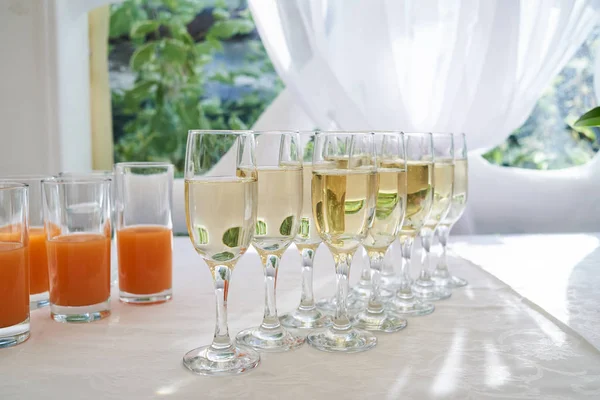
590 118
142 55
174 51
229 28
141 28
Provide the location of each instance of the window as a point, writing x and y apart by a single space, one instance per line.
177 65
547 139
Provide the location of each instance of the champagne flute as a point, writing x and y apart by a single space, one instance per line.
307 240
389 216
344 185
419 198
279 167
220 205
443 183
440 275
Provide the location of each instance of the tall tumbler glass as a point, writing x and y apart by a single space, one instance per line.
99 173
145 231
38 259
77 226
14 268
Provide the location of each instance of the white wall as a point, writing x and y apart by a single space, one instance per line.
44 86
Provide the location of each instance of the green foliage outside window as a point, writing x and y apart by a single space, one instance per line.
171 62
169 95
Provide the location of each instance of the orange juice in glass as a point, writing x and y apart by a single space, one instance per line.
144 231
98 173
38 263
78 242
14 264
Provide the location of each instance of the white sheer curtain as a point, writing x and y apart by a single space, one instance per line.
476 66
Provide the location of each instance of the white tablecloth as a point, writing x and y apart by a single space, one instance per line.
484 342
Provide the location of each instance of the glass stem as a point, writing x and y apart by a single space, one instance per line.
426 240
270 320
442 266
376 260
365 275
405 290
221 277
307 299
342 276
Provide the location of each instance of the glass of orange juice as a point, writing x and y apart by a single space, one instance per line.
114 273
38 261
144 231
77 226
14 264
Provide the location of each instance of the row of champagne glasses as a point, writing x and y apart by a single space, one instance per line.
358 196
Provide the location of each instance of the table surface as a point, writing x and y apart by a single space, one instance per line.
526 327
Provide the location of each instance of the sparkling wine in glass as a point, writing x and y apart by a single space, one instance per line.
424 286
344 187
419 199
440 275
279 206
389 216
307 240
220 204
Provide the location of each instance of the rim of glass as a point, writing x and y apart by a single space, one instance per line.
418 133
11 185
274 132
144 164
25 177
450 134
99 172
71 180
218 132
370 132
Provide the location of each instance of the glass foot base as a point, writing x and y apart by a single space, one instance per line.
428 291
305 319
442 278
14 335
146 299
350 340
456 282
384 321
269 340
410 306
39 300
354 305
91 313
391 282
206 361
363 293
